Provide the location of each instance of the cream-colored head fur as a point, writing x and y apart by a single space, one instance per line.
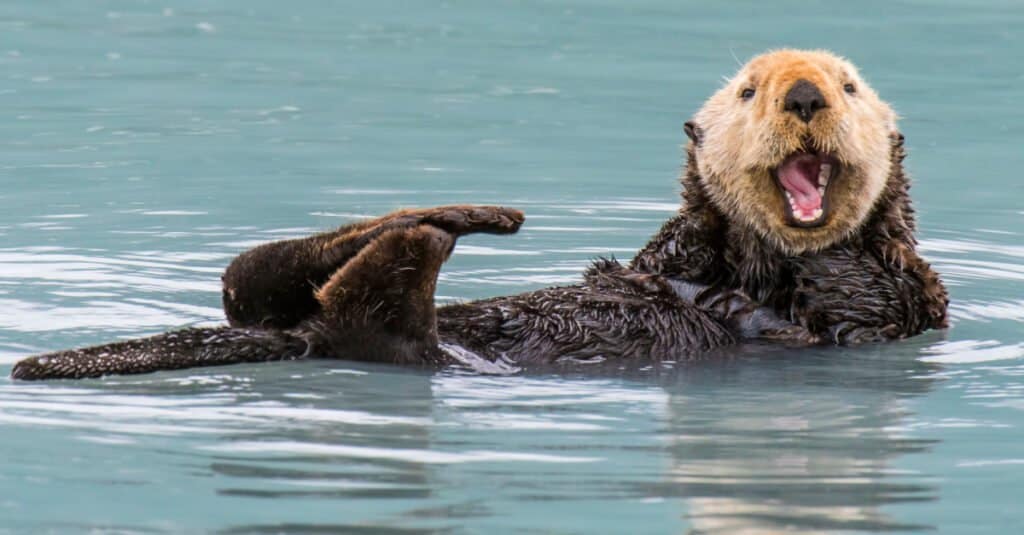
742 141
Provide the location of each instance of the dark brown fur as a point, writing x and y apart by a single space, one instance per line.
700 244
365 292
704 281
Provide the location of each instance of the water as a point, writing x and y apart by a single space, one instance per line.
145 144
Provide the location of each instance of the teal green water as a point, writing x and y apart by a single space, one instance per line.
145 144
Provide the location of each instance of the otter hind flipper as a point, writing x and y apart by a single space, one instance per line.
380 305
273 285
186 348
363 292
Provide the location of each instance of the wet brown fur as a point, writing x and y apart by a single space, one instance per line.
701 244
725 269
742 141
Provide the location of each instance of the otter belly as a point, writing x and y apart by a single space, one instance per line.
616 313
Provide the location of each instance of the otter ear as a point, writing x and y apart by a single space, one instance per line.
694 132
897 138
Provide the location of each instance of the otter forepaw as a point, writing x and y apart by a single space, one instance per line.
791 335
936 301
847 334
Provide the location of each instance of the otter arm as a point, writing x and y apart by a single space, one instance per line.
746 318
932 298
273 285
684 247
851 298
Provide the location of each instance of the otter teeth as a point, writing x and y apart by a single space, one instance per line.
814 216
804 218
798 214
824 172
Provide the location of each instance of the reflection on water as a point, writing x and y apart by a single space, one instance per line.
796 443
146 145
814 451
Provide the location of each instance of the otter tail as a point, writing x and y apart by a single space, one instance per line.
186 348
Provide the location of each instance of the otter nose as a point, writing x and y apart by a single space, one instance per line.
804 99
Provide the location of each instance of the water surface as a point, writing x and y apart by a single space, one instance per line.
146 144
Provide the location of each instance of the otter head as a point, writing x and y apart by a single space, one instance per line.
796 147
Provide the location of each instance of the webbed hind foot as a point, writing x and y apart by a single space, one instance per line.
273 285
380 305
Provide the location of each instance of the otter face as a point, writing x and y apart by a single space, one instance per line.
795 146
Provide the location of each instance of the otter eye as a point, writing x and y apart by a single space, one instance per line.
747 94
849 88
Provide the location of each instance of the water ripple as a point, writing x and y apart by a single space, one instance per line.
413 456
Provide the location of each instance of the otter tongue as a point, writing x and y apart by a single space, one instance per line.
799 176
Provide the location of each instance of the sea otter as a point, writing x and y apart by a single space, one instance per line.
795 227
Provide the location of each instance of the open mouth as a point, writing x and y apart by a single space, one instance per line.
804 177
